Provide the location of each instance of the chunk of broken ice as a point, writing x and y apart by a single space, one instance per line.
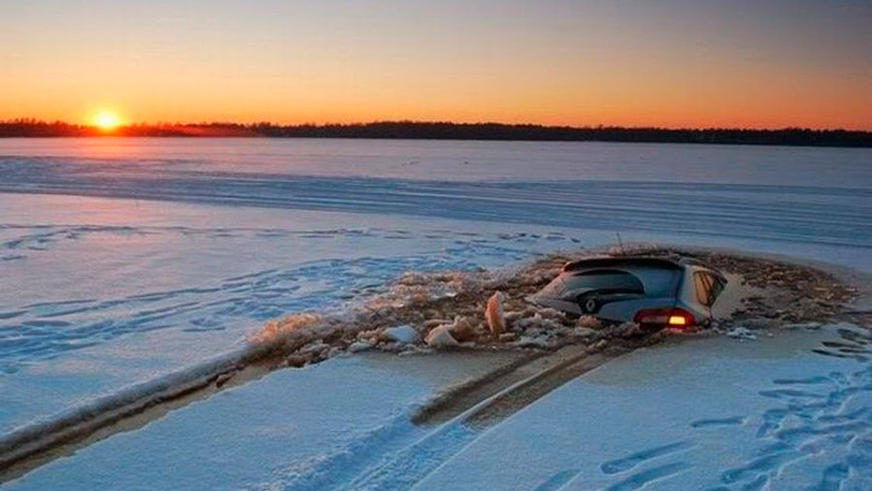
440 337
404 334
741 333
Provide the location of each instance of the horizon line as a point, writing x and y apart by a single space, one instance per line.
266 123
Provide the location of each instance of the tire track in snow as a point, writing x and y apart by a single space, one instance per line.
404 466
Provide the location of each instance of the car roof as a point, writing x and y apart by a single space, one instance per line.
612 262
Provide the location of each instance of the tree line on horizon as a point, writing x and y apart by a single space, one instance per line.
452 131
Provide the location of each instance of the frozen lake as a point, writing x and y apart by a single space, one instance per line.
125 259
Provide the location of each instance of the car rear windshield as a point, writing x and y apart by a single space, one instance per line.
606 280
659 283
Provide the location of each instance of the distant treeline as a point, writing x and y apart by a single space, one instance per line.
454 131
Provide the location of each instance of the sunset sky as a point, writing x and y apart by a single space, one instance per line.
667 63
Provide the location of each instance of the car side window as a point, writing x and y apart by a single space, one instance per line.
717 287
703 286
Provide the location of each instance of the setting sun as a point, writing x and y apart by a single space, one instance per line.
106 121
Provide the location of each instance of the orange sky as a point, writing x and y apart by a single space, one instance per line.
671 63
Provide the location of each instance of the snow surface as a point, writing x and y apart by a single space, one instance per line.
704 414
714 413
306 427
123 260
771 198
452 160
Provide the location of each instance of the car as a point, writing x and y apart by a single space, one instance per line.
653 292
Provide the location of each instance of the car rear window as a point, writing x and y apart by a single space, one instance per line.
606 279
658 282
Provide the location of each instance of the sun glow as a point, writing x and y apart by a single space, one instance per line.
106 120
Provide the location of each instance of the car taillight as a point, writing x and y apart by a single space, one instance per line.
665 317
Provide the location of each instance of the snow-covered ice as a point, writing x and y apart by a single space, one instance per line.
124 260
706 414
306 428
158 287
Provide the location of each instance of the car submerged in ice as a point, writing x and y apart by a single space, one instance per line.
653 292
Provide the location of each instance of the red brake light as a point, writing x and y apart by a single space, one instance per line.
665 317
